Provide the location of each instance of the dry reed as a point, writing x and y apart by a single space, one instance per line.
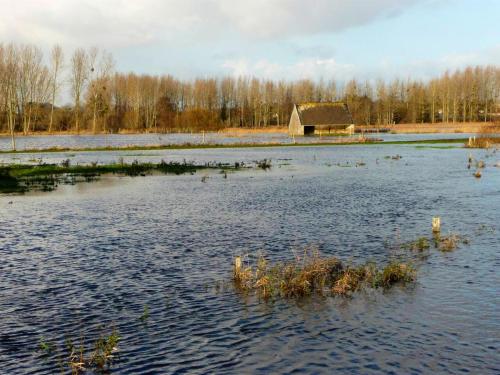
313 274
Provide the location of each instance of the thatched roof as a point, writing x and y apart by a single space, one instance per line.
330 113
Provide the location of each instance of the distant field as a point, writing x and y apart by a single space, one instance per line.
467 127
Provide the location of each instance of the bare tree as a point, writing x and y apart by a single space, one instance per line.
56 64
11 71
79 76
101 66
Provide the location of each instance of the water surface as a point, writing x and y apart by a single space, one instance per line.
95 254
124 140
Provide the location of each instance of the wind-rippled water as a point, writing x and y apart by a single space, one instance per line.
97 253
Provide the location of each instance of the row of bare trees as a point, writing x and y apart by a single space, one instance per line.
467 95
107 101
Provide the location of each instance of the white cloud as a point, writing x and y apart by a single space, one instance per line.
308 68
270 18
121 23
330 68
429 68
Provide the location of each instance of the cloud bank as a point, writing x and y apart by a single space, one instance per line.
122 23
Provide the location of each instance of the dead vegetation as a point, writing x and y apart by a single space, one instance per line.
312 274
444 243
420 244
449 242
485 138
483 142
80 358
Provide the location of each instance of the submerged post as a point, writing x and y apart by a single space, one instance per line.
237 265
436 224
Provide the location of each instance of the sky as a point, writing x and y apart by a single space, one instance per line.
277 39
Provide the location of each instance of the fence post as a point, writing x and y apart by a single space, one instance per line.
436 224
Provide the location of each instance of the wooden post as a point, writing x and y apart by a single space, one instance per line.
203 137
237 265
436 224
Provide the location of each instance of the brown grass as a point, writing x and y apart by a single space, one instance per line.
82 359
484 141
450 242
458 127
245 131
313 274
420 244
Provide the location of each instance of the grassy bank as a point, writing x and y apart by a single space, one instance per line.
189 146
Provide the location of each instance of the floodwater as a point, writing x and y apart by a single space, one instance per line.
95 254
123 140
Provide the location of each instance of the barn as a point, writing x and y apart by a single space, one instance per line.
320 118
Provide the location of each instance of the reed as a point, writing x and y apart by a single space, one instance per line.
81 357
313 274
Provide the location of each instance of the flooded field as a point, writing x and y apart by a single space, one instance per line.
102 253
124 140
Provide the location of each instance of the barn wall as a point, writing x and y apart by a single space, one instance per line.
294 126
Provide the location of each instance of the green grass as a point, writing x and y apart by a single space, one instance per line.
145 314
189 146
426 141
436 147
420 244
79 358
444 243
23 177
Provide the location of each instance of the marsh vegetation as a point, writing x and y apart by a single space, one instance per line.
80 355
17 178
312 274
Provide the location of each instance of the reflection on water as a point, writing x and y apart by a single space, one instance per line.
94 254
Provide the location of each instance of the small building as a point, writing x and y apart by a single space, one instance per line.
320 118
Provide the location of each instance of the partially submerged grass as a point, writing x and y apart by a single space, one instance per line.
145 314
483 142
264 164
420 244
22 177
449 242
80 357
444 243
188 146
422 147
314 274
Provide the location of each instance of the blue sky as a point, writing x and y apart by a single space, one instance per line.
339 39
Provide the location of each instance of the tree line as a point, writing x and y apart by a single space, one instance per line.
104 100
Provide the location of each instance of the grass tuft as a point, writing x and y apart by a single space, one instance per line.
145 314
450 242
313 274
81 358
420 244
